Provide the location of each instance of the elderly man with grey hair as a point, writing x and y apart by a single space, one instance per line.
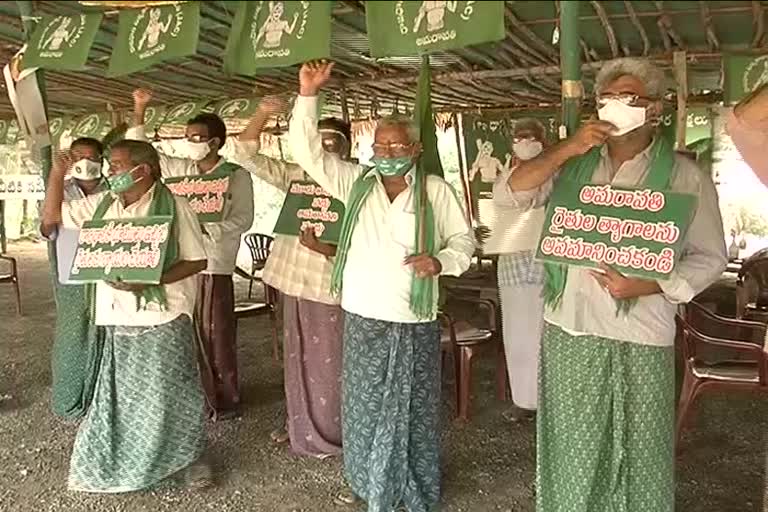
146 420
605 436
520 278
391 362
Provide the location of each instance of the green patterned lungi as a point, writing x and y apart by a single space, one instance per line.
146 421
391 413
605 433
77 347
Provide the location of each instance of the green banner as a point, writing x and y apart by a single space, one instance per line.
62 42
207 194
698 124
153 34
56 128
273 34
182 113
742 75
638 232
93 125
129 250
154 117
309 206
239 108
404 28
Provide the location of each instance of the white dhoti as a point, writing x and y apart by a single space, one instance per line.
522 312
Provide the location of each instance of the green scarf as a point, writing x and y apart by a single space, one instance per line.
164 204
578 172
422 300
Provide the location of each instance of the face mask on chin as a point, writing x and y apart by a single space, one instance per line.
393 166
624 117
527 149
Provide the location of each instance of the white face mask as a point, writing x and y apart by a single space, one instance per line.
195 151
85 170
624 117
527 149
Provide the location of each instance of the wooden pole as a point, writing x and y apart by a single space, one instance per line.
570 64
681 75
458 130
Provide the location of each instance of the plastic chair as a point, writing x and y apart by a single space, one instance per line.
249 308
260 246
12 277
712 361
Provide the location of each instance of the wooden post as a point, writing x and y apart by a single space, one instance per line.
458 130
344 105
680 63
570 65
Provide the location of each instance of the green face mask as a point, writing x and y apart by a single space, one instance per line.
395 166
119 183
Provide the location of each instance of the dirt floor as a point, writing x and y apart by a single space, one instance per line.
488 464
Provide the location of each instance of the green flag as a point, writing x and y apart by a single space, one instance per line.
182 113
238 108
154 34
274 34
410 27
56 128
92 125
425 120
743 74
62 42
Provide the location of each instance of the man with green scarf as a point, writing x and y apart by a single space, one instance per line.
402 229
146 420
605 439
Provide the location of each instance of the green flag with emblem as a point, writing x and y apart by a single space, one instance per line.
182 113
62 42
273 34
413 27
154 34
92 125
743 74
238 108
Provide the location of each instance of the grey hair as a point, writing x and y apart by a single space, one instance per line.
140 152
534 125
400 120
644 70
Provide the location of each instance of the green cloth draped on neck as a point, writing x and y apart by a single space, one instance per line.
422 300
578 172
164 204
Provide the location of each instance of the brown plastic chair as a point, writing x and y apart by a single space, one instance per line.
250 308
12 277
260 246
468 345
714 361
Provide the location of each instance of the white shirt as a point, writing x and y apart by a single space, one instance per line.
221 239
377 284
588 309
115 307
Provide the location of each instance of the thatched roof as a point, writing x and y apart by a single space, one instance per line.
520 72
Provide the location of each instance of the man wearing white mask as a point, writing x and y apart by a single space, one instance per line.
521 278
215 323
76 346
605 420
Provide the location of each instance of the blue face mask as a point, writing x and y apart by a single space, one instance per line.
395 166
122 182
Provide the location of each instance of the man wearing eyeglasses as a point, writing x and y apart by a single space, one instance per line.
215 323
606 403
391 364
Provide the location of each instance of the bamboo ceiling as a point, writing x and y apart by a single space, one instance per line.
520 72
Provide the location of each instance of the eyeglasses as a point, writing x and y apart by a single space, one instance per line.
197 138
525 137
395 147
626 99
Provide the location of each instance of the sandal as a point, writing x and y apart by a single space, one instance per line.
280 436
346 498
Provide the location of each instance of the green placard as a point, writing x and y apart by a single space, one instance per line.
207 194
129 250
309 206
62 42
638 232
405 28
274 34
154 34
743 74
